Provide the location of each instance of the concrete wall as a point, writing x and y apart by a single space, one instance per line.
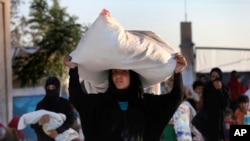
186 48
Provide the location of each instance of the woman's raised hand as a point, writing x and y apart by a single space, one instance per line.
181 63
67 62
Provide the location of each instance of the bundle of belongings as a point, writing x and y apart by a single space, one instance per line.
107 45
56 120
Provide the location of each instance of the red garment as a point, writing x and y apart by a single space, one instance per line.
1 125
236 88
13 124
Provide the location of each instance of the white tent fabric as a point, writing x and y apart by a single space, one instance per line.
227 59
107 45
56 120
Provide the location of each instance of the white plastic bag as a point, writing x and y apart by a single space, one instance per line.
107 45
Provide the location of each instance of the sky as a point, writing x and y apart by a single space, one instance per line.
215 23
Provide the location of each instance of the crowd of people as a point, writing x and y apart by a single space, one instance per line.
211 107
125 112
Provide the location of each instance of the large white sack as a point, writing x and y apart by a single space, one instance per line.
107 45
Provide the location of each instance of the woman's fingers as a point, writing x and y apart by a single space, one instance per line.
181 63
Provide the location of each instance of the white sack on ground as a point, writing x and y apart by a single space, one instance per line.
107 45
56 120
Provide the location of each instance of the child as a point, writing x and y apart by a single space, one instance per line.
242 109
228 120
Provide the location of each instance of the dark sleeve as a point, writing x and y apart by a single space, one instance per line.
36 127
172 100
224 97
177 91
175 97
162 107
75 90
70 118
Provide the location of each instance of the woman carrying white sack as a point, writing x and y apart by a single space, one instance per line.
122 112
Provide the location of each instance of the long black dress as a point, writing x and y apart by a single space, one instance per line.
210 119
103 119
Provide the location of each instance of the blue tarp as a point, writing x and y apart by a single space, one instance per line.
25 104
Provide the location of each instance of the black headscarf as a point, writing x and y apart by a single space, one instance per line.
133 93
52 95
218 70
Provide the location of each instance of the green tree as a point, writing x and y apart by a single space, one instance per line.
56 34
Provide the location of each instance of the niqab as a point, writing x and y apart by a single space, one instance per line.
52 96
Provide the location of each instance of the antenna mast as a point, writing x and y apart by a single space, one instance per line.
185 7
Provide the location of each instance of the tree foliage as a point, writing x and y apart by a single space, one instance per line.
18 23
56 34
14 8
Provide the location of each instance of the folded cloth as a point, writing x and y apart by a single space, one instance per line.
56 120
107 45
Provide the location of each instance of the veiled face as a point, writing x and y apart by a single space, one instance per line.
51 87
121 78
